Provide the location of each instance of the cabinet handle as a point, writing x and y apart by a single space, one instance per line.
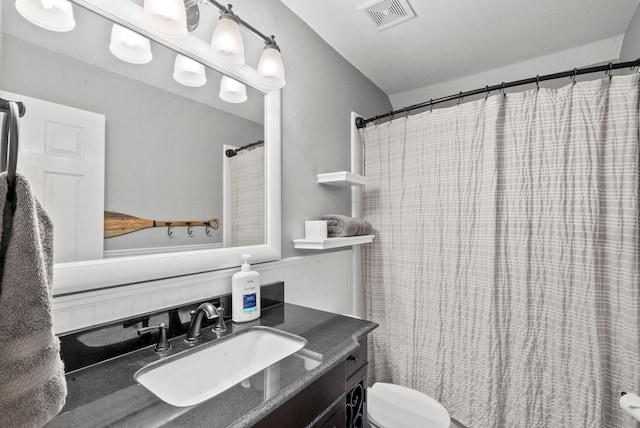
353 358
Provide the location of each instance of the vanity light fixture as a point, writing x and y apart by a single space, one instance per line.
232 91
188 72
167 17
228 49
270 67
129 46
53 15
226 42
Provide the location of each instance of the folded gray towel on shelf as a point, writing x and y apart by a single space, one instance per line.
341 226
31 371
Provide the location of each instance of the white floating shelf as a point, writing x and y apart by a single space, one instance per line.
342 178
325 244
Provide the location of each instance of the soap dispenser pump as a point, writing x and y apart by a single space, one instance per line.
245 293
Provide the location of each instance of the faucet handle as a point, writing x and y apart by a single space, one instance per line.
163 346
219 326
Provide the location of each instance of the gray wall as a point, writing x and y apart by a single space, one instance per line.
631 44
322 89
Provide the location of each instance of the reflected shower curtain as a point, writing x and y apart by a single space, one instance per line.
247 197
504 273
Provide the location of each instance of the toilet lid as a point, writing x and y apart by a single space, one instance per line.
395 406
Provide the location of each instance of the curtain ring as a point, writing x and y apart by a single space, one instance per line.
486 92
537 82
504 86
575 73
375 121
610 72
459 97
392 114
431 106
406 113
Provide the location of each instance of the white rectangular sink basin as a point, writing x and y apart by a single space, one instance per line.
196 375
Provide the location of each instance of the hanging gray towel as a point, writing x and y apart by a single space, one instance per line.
342 225
32 384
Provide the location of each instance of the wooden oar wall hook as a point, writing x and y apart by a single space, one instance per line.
116 224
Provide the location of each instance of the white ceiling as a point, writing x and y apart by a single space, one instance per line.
452 39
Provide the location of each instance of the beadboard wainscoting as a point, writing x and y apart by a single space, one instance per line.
323 281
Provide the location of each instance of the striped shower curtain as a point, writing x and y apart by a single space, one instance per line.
504 273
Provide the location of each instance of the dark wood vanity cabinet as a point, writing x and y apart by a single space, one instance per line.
336 400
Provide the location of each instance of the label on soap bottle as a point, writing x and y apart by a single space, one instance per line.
249 303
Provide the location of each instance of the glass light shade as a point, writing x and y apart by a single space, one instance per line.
232 91
271 69
168 17
226 43
188 72
129 46
53 15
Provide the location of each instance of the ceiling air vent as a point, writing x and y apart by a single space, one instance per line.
387 13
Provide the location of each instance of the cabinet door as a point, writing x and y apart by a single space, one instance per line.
303 408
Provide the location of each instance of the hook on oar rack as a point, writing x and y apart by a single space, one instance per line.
169 232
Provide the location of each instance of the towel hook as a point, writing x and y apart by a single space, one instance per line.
169 232
9 146
206 227
189 231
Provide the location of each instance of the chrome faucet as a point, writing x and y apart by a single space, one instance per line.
211 312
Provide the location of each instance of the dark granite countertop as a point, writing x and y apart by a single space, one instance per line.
106 394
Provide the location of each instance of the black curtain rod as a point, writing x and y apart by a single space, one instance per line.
362 122
232 152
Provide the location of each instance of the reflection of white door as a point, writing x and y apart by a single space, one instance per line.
62 156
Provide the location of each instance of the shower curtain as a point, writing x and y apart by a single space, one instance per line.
247 197
504 273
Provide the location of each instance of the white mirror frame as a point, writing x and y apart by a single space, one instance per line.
71 278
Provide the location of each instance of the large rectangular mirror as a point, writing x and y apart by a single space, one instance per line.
144 177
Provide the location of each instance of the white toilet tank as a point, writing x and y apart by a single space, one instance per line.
395 406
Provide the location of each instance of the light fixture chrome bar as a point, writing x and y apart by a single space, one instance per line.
268 40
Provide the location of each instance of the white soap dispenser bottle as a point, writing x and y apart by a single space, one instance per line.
245 293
